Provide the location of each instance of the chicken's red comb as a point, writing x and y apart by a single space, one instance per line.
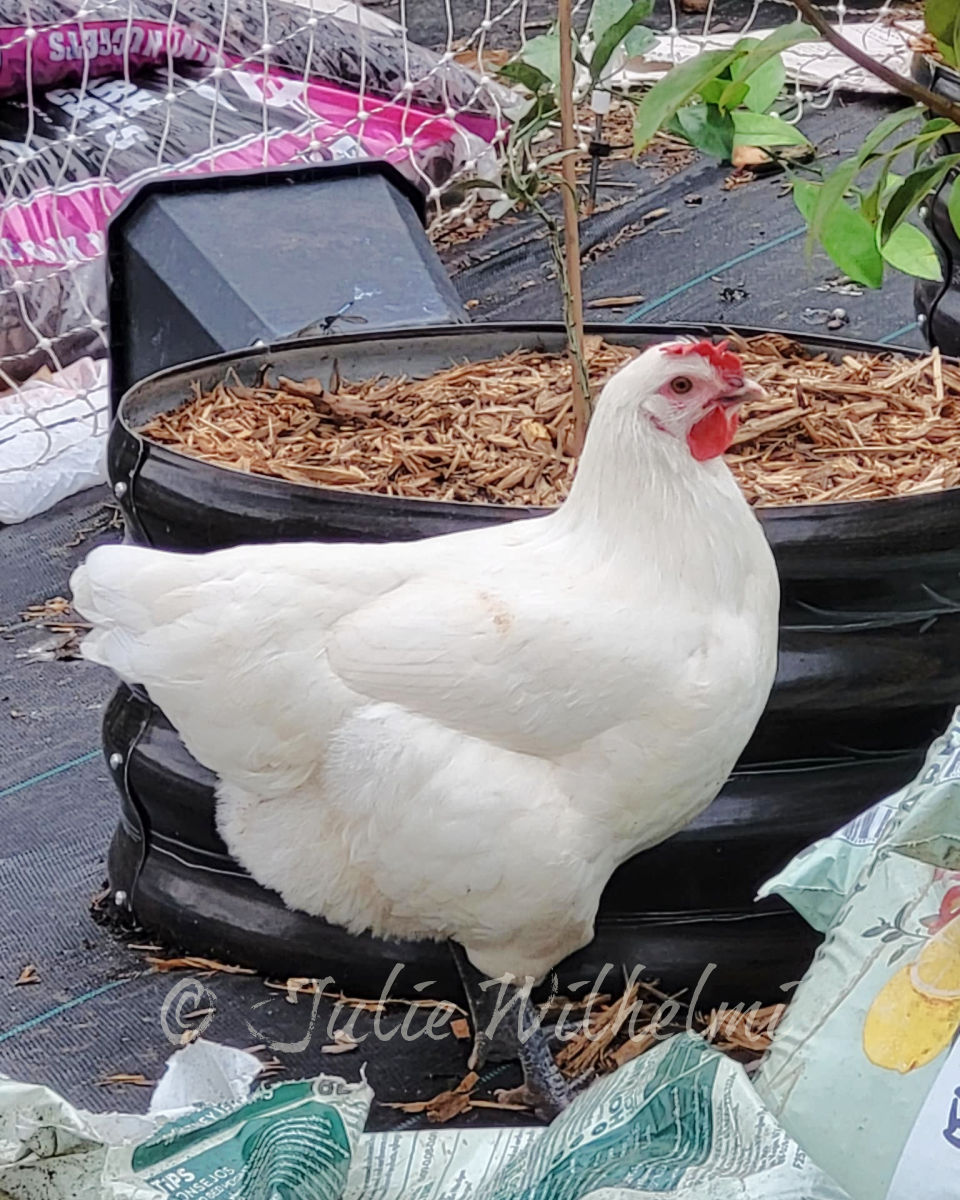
724 360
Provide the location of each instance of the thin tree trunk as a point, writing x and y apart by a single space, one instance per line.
573 297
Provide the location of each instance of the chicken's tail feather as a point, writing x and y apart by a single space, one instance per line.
113 590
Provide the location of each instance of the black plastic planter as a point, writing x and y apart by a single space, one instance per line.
938 302
870 667
205 263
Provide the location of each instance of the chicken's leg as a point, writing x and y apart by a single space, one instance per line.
506 1026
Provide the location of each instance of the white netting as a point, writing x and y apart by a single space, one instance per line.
99 97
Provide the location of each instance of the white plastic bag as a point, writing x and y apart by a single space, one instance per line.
53 433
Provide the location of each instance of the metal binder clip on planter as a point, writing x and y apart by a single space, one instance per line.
865 679
938 301
210 263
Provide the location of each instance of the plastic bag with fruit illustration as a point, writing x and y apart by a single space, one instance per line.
864 1070
819 880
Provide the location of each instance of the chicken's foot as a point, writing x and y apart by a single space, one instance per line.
507 1027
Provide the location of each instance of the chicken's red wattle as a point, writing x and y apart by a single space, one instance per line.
713 433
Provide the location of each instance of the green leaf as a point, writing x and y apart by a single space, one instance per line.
875 139
638 41
526 74
847 236
708 129
476 183
671 92
948 53
603 13
536 116
931 133
917 185
551 160
953 206
500 208
886 184
911 251
929 136
830 195
764 129
772 45
543 52
764 85
937 125
712 90
614 34
733 96
943 20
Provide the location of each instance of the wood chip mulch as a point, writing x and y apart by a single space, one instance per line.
868 427
499 431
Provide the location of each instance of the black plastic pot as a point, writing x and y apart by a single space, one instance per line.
938 301
200 264
870 667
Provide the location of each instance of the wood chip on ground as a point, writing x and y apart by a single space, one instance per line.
499 431
743 1029
271 1066
56 616
203 966
618 1030
342 1043
449 1104
614 1032
303 986
27 975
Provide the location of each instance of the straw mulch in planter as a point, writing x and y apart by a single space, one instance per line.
498 431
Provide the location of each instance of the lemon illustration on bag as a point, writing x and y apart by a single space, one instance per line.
917 1012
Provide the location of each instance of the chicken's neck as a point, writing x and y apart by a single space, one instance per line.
639 493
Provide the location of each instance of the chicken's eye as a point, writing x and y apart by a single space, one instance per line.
681 385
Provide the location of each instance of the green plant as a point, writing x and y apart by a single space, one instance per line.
612 24
528 174
860 211
943 23
720 100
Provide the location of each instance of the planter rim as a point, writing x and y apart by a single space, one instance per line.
282 487
935 66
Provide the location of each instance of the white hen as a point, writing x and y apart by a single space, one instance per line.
463 737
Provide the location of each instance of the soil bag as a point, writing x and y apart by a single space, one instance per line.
864 1068
93 108
301 39
679 1123
204 1137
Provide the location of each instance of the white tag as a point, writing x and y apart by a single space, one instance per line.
932 1153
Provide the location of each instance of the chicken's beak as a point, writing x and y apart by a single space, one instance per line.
748 391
